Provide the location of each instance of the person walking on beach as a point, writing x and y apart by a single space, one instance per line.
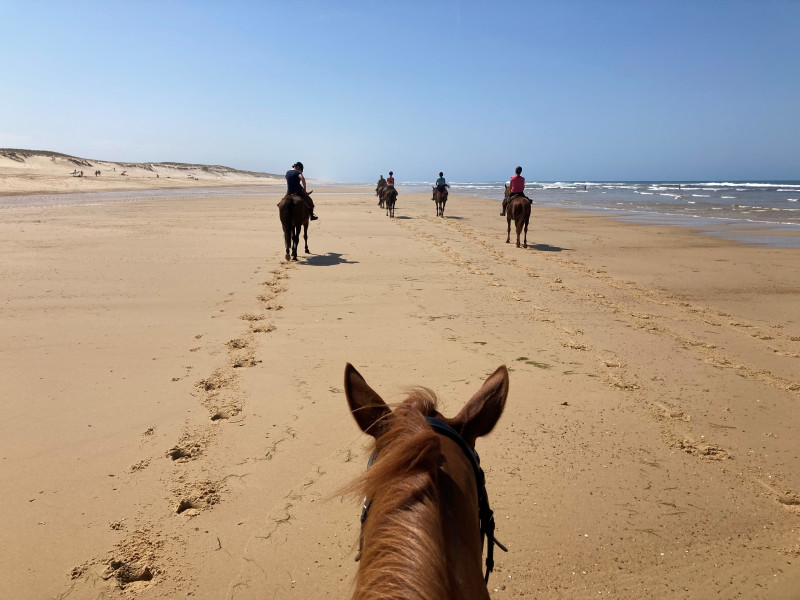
516 187
296 184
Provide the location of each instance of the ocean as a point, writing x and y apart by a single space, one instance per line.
757 212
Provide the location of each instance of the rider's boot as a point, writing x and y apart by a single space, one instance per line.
314 217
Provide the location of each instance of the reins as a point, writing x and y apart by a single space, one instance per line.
485 513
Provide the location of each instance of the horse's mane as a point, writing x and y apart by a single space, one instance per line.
404 513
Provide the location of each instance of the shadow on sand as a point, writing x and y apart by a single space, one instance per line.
547 248
328 260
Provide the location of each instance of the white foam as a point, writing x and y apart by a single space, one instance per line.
751 185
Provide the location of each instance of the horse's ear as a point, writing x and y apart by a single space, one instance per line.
481 413
368 408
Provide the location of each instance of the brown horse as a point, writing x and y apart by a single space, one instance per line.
440 198
517 208
425 508
379 194
389 198
294 214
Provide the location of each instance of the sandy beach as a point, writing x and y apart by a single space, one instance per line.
175 424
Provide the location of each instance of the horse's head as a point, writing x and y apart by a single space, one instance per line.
426 509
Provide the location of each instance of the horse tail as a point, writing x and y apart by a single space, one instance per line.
289 209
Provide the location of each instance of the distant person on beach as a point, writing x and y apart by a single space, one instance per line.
390 180
296 184
516 187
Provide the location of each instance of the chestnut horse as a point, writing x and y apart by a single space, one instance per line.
389 197
440 198
518 208
294 214
426 511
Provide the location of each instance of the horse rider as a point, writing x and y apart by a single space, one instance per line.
379 187
296 185
390 180
441 184
516 188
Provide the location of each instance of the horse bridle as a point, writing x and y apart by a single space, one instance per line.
485 513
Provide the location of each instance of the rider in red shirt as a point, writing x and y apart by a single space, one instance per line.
390 179
516 187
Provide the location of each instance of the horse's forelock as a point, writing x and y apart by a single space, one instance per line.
403 487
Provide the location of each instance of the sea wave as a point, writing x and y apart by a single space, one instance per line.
760 184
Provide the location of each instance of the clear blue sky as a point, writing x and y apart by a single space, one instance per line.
570 90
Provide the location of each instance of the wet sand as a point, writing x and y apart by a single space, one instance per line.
175 423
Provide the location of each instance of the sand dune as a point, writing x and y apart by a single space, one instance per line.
37 171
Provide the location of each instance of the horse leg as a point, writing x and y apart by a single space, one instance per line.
287 240
295 241
519 231
525 243
305 235
508 237
444 202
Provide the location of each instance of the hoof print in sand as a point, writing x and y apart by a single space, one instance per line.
215 381
204 495
242 362
184 453
790 500
251 317
126 573
225 413
703 450
238 343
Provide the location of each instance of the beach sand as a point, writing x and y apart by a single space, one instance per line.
175 426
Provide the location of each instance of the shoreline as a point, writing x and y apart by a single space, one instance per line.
749 232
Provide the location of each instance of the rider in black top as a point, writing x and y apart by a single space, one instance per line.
296 184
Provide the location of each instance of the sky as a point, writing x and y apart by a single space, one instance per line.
578 90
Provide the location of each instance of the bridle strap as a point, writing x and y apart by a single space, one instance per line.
485 513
